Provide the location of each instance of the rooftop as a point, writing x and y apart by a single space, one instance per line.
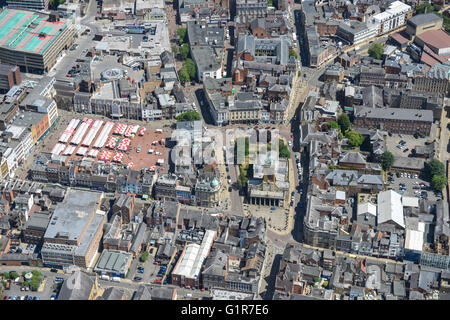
28 31
73 214
394 114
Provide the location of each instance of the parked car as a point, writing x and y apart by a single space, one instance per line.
137 279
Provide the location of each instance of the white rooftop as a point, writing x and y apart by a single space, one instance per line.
414 240
367 207
390 208
410 202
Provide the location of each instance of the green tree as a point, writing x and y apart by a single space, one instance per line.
344 122
6 275
175 50
283 150
299 74
434 168
376 50
190 115
13 275
184 75
333 125
144 256
354 138
190 67
293 53
182 34
439 182
184 51
387 160
34 285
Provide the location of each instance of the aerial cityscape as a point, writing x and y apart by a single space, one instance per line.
224 150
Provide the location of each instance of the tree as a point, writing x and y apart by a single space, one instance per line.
175 50
13 275
144 256
190 67
283 150
184 51
34 285
344 122
184 75
182 34
293 53
387 160
190 115
434 168
439 182
376 50
6 275
333 125
299 74
354 138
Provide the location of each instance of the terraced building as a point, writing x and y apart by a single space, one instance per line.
33 40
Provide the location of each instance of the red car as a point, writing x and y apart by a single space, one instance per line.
5 297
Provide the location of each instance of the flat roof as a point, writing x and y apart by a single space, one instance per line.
424 18
28 31
414 240
72 215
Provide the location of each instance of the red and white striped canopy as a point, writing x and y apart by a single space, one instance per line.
112 142
120 128
118 157
124 144
105 155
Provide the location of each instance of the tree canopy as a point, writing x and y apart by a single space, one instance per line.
439 182
283 150
333 125
190 67
182 34
144 256
184 75
354 138
434 168
293 53
190 115
376 50
184 51
344 122
387 160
